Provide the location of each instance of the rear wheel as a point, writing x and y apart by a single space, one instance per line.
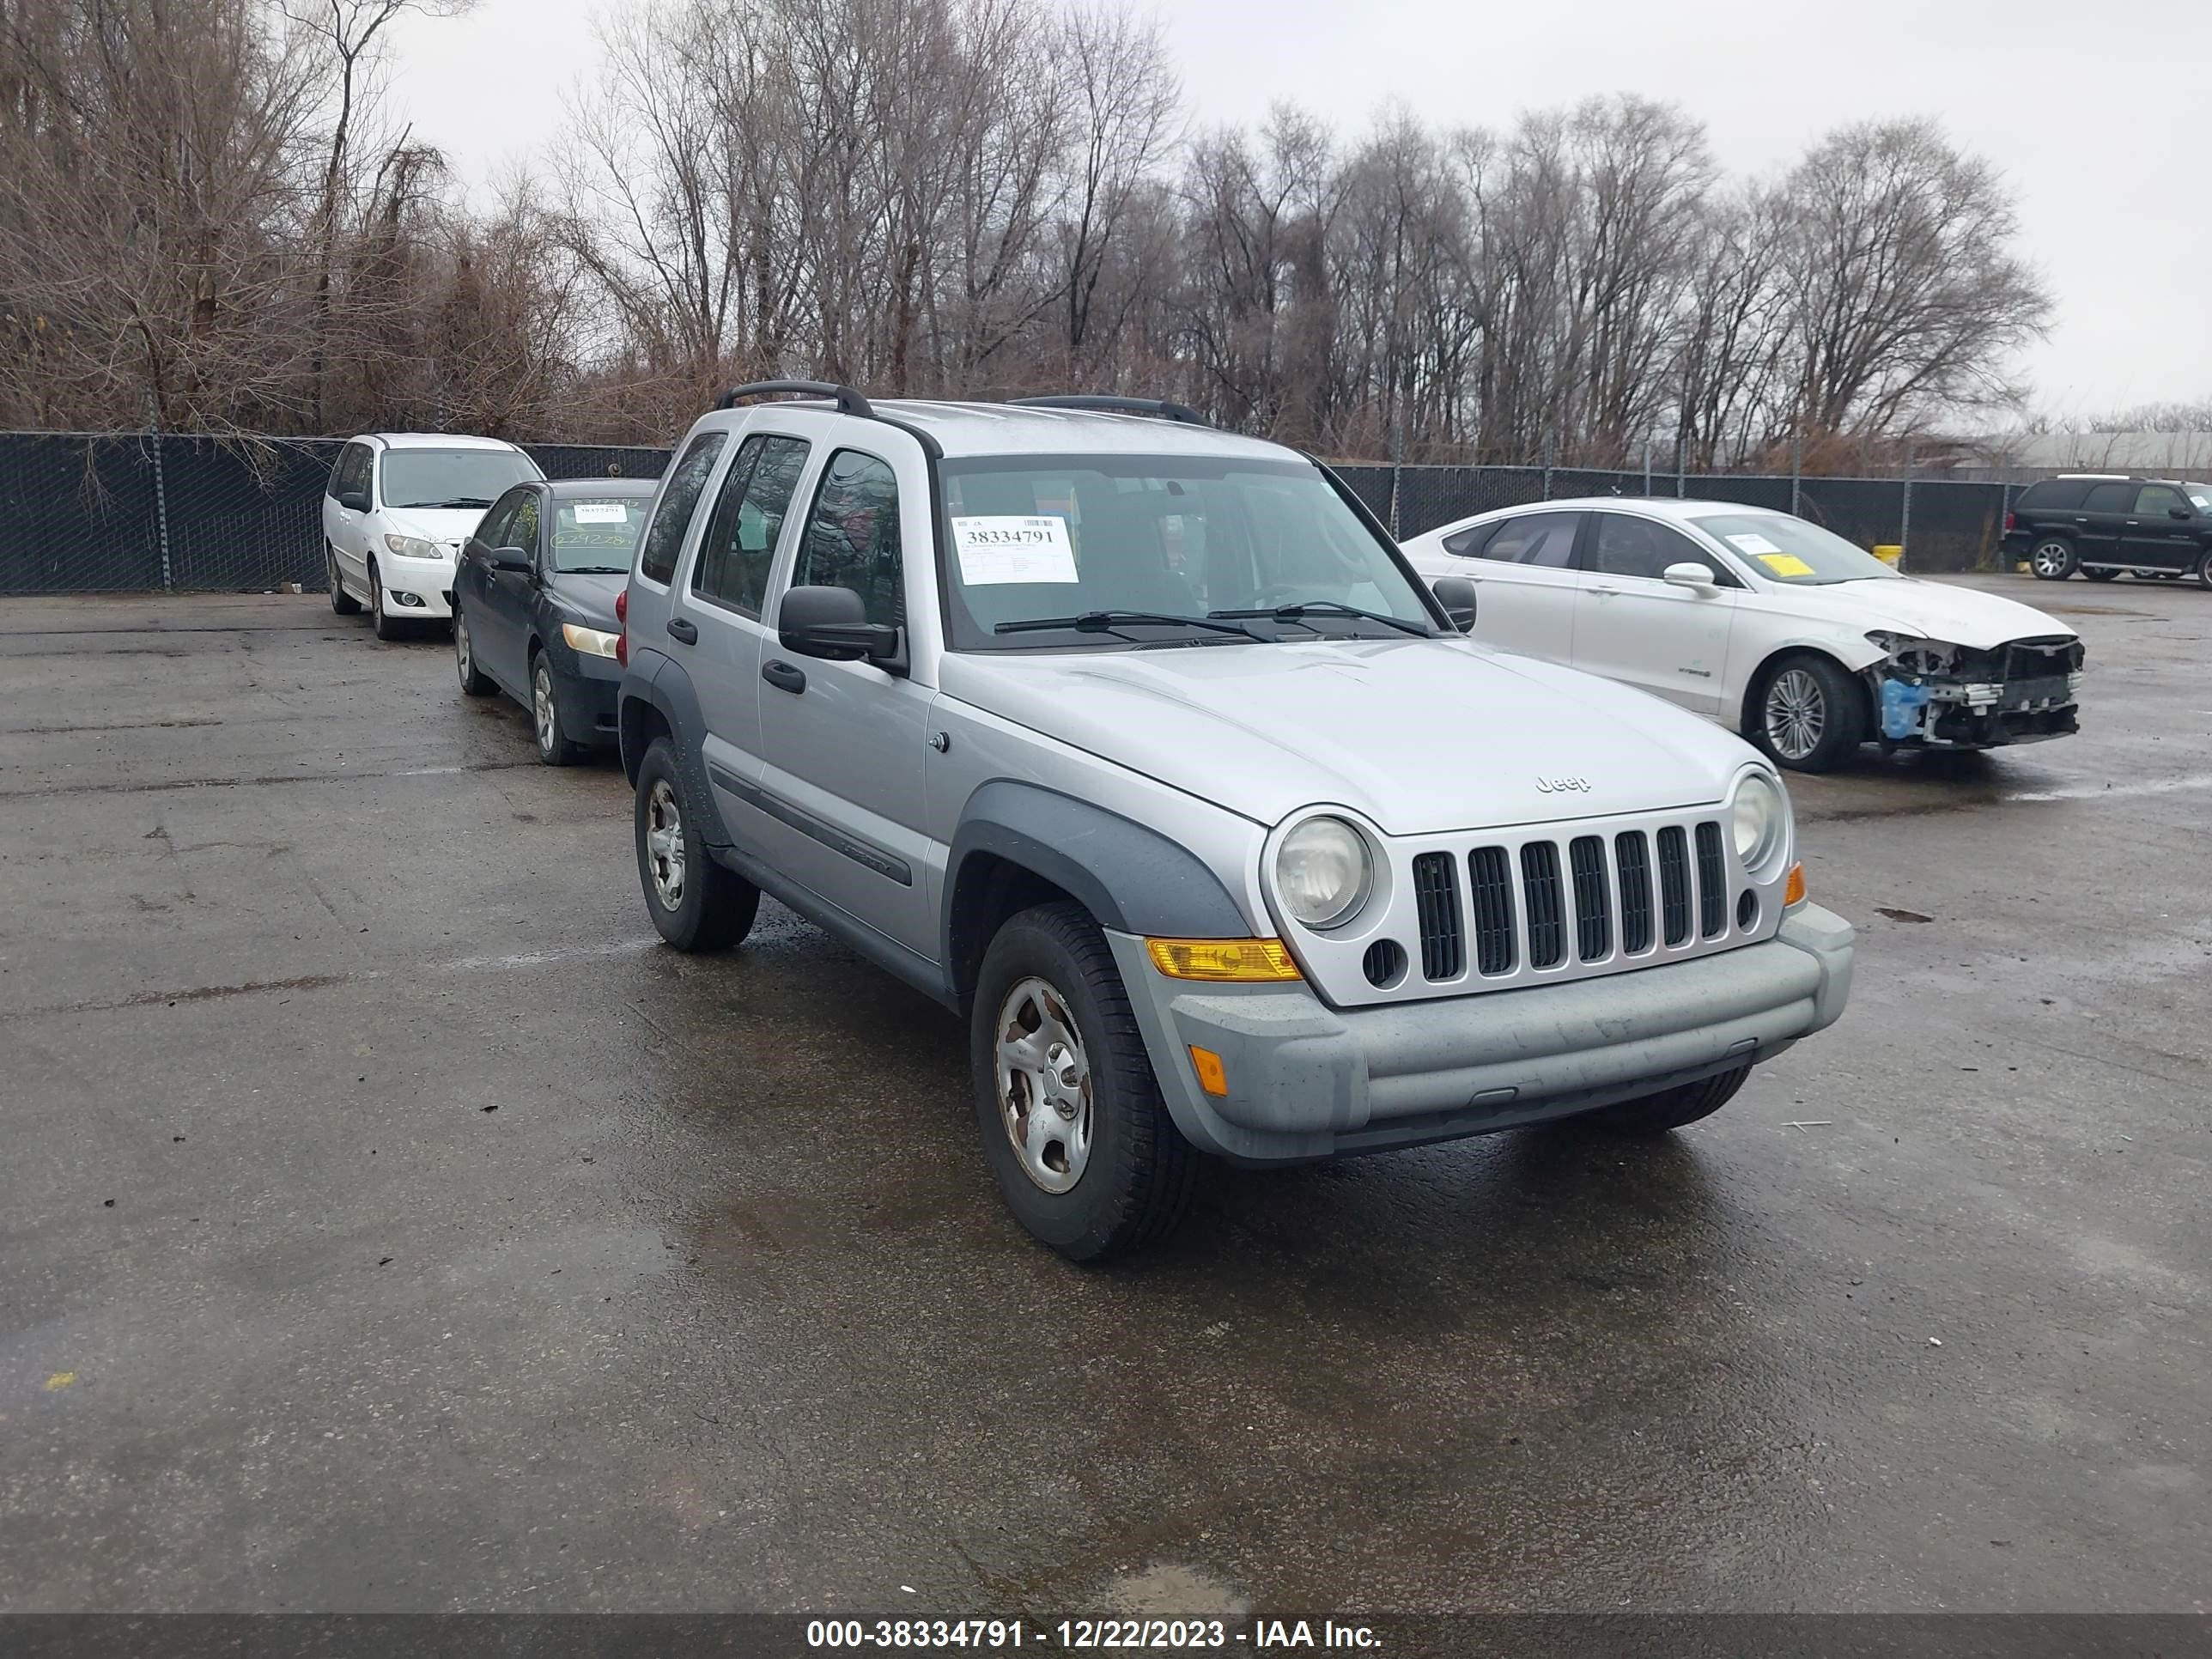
2052 559
341 601
1670 1108
474 681
1074 1126
1808 714
696 904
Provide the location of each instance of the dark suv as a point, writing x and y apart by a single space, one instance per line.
2102 524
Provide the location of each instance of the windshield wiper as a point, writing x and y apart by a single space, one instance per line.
458 501
1328 608
1102 622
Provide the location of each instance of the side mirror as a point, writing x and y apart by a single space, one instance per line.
832 623
512 559
2179 513
354 500
1456 595
1688 574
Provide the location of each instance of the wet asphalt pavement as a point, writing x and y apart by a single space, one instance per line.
387 1222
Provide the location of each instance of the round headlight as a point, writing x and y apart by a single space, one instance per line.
1323 871
1762 820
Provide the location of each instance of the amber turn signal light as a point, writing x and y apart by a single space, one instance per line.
1222 960
1211 1077
1794 892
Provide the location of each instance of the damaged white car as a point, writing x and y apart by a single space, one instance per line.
1777 629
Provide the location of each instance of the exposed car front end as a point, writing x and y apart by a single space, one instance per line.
1932 694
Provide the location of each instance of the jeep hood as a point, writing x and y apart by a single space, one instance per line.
1423 735
1936 610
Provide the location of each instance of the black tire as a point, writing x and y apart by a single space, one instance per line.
1807 696
2052 559
554 747
475 682
1670 1108
388 626
342 602
713 907
2204 569
1138 1179
2100 576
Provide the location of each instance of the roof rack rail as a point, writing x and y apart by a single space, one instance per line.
848 401
1159 407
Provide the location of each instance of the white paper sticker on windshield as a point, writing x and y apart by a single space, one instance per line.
996 551
1752 544
601 512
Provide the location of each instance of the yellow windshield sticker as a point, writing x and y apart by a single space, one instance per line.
1786 564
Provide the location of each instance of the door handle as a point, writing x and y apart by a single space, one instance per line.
783 677
686 631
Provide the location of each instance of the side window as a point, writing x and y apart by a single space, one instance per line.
2054 495
1630 546
1542 539
2110 498
523 532
853 536
1469 543
740 539
2158 500
491 529
352 470
664 537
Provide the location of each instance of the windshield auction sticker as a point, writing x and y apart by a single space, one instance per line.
994 551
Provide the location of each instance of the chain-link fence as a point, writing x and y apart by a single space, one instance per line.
133 511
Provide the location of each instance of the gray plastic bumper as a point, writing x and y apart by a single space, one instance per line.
1308 1081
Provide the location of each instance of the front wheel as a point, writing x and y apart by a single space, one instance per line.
1670 1108
696 904
2102 575
2204 569
1808 714
342 602
2052 559
554 746
1074 1126
388 626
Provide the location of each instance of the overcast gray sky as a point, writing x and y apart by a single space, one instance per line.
2096 112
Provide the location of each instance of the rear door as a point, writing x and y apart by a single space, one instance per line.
2098 521
2153 538
1528 585
1632 625
843 809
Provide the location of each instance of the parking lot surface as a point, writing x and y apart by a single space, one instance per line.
391 1222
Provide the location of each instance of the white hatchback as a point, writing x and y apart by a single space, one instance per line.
1776 627
395 514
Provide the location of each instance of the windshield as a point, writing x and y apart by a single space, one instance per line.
597 535
1786 550
453 477
1034 538
2202 494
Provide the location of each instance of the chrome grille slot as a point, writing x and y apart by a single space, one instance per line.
1593 901
1712 881
1675 882
1490 873
1539 884
1633 854
1435 900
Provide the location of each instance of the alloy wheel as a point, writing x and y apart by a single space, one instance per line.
464 657
2051 558
1043 1085
1796 714
664 844
542 712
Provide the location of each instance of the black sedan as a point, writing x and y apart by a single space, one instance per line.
534 605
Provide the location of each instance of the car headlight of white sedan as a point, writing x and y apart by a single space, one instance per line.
1759 814
413 547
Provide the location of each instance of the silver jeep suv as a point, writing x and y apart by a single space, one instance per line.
1141 746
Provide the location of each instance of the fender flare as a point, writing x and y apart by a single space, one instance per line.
658 680
1132 878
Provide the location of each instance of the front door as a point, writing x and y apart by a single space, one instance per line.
346 526
2152 538
1632 625
841 802
1528 584
502 635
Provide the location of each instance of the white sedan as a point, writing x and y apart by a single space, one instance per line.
1777 627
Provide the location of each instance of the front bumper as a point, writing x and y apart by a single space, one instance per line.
587 688
428 580
1308 1081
